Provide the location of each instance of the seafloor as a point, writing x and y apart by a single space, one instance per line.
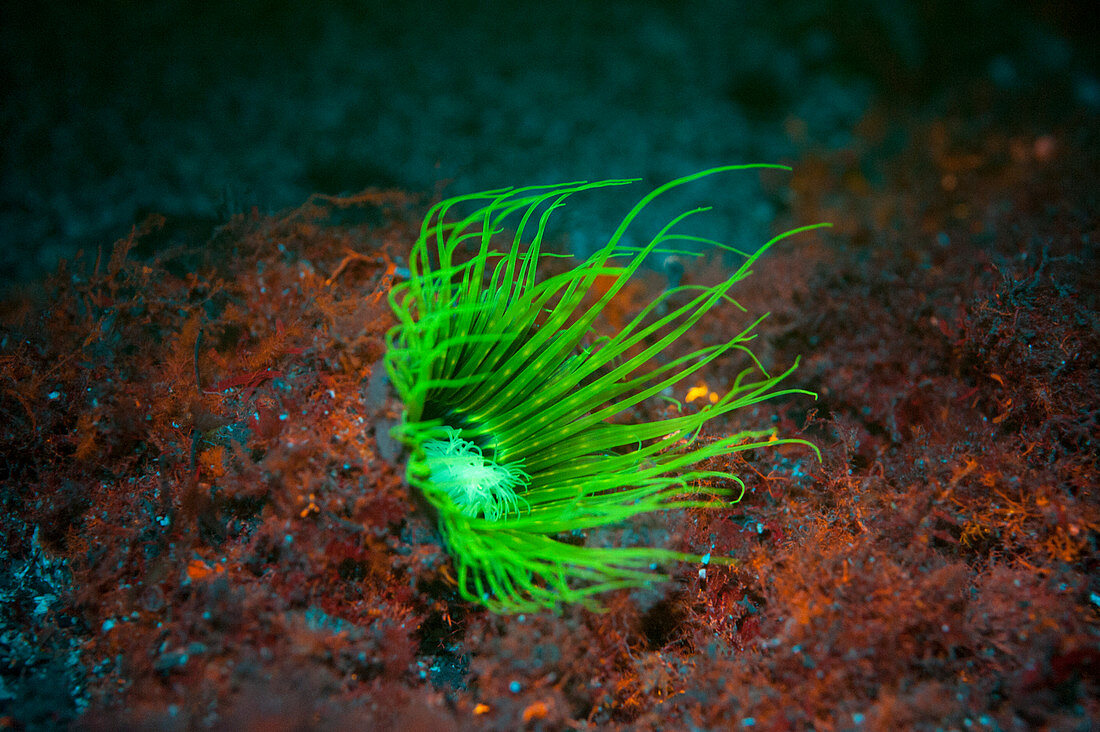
206 526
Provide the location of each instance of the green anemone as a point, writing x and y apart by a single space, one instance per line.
510 399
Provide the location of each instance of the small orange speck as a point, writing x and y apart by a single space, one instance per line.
695 392
481 709
311 508
198 569
538 710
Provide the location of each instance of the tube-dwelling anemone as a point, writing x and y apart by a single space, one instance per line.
509 400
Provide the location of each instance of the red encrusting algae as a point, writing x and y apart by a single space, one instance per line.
208 526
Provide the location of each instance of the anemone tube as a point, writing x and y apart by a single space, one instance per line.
509 399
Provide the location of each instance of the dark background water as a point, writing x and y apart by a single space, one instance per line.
113 110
